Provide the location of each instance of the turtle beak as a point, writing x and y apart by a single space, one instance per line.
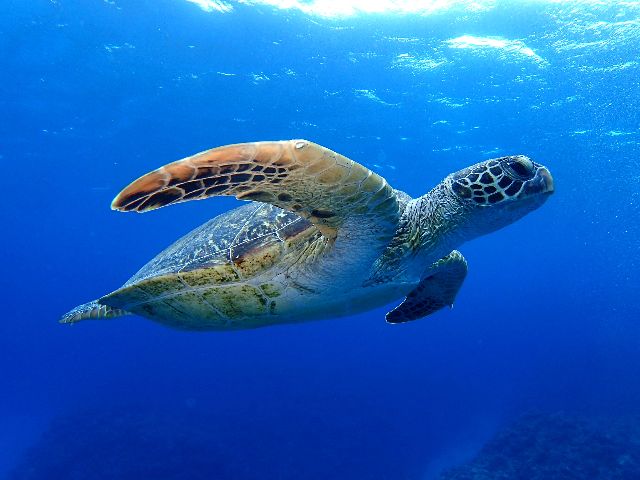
547 180
542 182
541 185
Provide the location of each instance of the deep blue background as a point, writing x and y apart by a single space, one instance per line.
93 94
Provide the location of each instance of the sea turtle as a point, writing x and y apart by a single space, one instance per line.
322 237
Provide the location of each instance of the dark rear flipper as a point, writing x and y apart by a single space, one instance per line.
92 311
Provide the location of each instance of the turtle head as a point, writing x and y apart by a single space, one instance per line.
500 191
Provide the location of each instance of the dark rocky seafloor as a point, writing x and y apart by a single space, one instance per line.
558 447
189 442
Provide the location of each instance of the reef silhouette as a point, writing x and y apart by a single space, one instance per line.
558 447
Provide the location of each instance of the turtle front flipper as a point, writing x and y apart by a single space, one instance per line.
318 184
92 311
436 290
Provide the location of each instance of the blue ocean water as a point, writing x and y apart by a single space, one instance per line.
94 94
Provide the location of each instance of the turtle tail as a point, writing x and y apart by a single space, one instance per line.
92 311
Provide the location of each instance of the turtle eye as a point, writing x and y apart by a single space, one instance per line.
521 167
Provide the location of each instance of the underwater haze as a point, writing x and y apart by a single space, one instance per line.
544 337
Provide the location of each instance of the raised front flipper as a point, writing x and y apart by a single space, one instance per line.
300 176
436 290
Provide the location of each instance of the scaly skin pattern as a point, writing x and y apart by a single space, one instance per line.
428 230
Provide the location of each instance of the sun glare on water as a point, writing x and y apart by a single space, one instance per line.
344 8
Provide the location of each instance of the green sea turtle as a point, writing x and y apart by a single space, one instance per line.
322 237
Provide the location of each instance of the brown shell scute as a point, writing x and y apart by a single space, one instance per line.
206 274
210 275
256 255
